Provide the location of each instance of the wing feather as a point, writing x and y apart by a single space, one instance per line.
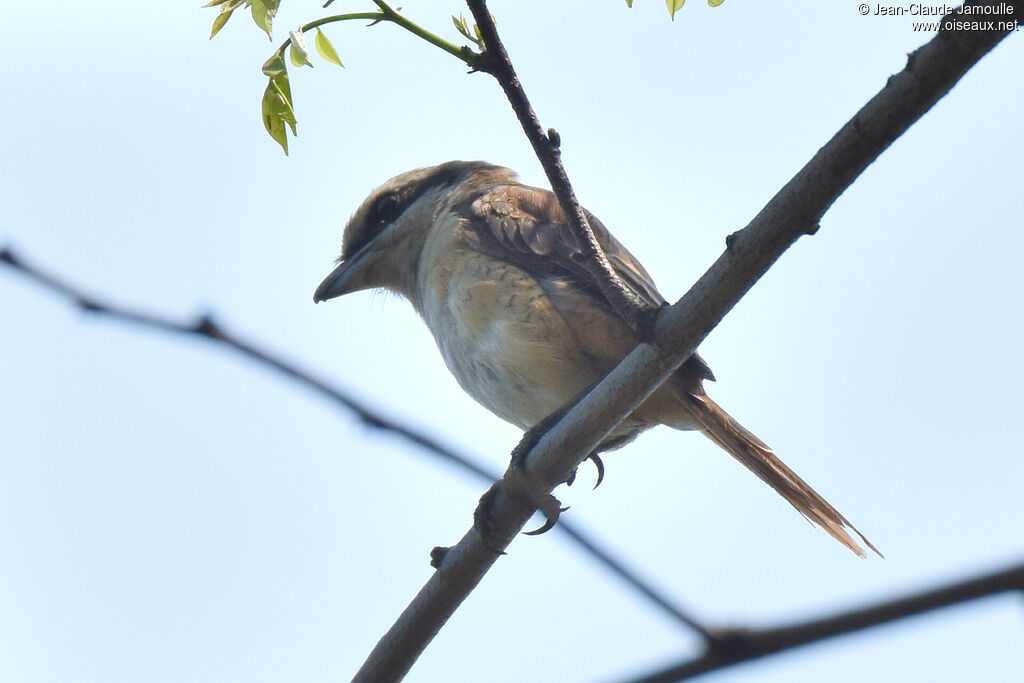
525 226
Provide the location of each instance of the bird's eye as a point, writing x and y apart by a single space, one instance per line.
386 209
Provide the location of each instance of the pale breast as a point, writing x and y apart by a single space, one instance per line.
499 334
520 350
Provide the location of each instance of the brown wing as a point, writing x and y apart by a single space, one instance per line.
525 226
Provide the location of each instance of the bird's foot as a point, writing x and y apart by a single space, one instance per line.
522 487
552 509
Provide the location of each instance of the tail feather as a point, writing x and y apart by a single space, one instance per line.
739 442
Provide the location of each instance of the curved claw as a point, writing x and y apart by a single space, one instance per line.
599 464
546 527
552 513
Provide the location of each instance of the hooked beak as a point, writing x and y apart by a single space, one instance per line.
350 276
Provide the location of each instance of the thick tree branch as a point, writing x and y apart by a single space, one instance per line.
205 327
495 61
930 73
745 645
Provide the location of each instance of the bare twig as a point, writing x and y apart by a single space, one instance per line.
745 645
205 327
495 61
797 208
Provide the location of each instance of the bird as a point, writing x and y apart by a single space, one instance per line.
492 267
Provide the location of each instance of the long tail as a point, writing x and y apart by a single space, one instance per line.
739 442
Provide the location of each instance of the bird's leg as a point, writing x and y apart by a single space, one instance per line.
520 483
534 434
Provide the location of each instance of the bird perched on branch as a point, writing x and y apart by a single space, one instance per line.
493 269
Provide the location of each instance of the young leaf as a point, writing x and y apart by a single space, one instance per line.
277 100
227 7
673 7
275 66
461 26
219 22
277 111
271 118
326 50
263 12
298 52
276 69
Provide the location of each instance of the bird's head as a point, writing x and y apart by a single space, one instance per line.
385 236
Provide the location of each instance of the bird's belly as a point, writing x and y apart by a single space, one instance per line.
507 346
521 385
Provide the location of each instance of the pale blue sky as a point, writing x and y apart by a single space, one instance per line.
170 512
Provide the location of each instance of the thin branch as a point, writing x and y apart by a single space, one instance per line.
796 210
387 13
462 52
630 577
745 645
495 61
205 327
332 19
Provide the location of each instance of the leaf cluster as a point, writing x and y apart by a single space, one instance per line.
263 12
278 109
676 5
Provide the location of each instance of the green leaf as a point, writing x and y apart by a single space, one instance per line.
715 3
277 70
263 12
460 25
275 66
277 111
298 52
214 3
219 22
325 49
673 7
227 7
629 3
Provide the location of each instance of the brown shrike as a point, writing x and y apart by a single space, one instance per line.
492 268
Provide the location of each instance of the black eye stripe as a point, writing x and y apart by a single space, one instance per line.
386 209
389 206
